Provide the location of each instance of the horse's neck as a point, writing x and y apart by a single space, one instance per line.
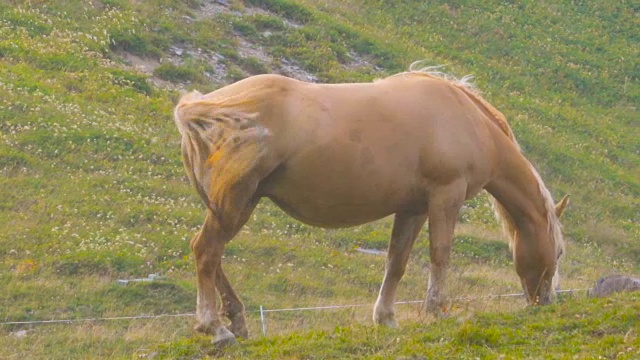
520 194
526 211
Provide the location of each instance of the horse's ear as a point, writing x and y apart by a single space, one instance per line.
561 205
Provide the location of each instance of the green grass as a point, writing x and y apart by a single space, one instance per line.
567 330
92 188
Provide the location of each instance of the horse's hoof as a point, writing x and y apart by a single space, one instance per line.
223 338
388 322
203 328
240 331
439 309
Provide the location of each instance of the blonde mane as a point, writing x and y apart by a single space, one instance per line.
469 88
554 227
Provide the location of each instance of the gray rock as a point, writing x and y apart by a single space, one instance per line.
612 284
176 50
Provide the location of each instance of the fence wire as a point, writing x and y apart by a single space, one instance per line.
262 310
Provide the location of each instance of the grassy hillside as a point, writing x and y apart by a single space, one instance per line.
92 188
568 330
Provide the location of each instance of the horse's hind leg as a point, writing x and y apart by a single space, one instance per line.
444 205
225 156
232 306
208 246
405 230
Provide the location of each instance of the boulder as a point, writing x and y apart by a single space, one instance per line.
612 284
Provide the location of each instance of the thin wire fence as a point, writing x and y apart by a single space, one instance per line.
264 311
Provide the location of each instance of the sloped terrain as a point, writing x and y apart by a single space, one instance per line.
92 188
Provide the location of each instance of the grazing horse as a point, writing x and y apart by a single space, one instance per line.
415 144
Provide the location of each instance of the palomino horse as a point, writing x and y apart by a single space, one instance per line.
336 155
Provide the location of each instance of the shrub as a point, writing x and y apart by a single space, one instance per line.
254 66
176 73
286 8
136 81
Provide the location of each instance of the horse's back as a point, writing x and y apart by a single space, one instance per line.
405 117
363 151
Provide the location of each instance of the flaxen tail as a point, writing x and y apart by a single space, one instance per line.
220 148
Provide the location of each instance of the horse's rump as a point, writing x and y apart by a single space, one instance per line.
220 148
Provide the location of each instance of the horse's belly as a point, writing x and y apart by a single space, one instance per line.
342 185
328 214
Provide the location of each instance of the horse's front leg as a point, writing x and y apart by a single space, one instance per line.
444 204
404 233
208 246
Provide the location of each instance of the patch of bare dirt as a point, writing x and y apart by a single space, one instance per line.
144 65
246 48
212 8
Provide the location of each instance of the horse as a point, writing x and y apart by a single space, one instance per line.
415 145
